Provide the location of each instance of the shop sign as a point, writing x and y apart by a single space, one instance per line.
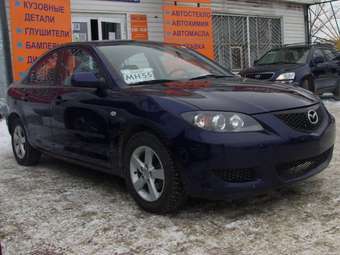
189 1
139 27
189 26
37 26
129 1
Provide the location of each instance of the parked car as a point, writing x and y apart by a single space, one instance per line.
314 67
169 121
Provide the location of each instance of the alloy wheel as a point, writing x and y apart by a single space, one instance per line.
147 173
19 141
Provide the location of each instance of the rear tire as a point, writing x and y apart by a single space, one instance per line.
153 190
23 152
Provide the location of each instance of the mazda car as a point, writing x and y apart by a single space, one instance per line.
313 67
171 122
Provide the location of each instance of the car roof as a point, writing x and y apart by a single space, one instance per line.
305 46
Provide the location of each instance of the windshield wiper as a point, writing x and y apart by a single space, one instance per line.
151 82
210 76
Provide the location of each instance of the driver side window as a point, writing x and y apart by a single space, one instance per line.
75 60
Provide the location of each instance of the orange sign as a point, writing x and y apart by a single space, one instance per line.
139 27
190 1
37 26
190 27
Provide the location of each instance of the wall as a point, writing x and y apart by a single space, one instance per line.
292 14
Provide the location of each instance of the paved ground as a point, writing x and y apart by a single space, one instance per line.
57 208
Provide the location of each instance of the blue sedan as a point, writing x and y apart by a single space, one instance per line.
169 121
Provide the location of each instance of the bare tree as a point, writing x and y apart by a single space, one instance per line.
324 22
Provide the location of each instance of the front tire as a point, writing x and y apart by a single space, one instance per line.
23 152
152 177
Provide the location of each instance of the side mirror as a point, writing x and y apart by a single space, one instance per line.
318 60
86 80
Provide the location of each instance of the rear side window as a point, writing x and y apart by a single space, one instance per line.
45 71
75 60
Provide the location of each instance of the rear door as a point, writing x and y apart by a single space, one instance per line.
39 93
80 115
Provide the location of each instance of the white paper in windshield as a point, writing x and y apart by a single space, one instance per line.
138 75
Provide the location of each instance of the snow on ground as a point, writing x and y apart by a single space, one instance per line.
58 208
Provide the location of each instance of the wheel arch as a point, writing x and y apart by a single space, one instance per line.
10 120
130 131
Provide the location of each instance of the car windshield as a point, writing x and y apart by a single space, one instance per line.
296 55
150 64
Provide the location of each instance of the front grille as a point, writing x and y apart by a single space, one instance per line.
260 76
234 175
299 168
299 119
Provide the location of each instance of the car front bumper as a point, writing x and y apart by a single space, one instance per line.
231 166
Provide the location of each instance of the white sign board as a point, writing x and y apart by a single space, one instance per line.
138 75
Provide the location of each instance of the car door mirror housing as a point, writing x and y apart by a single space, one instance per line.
86 80
318 60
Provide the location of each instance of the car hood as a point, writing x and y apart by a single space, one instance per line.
236 95
278 68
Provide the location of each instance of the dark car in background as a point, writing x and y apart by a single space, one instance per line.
314 67
169 121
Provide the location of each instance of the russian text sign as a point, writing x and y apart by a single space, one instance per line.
190 27
37 26
139 27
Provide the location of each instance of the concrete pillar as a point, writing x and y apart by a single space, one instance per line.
5 56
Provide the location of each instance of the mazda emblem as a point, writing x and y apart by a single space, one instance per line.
313 117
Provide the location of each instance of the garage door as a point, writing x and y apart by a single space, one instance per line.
240 40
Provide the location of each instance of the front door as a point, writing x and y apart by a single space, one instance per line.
80 117
333 67
321 72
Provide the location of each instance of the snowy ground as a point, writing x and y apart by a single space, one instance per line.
58 208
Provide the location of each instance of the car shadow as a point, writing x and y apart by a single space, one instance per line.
195 209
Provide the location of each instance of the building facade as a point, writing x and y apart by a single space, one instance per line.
243 30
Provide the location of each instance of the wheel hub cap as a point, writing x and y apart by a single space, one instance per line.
147 173
19 140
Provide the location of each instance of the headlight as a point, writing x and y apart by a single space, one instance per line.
286 77
222 121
